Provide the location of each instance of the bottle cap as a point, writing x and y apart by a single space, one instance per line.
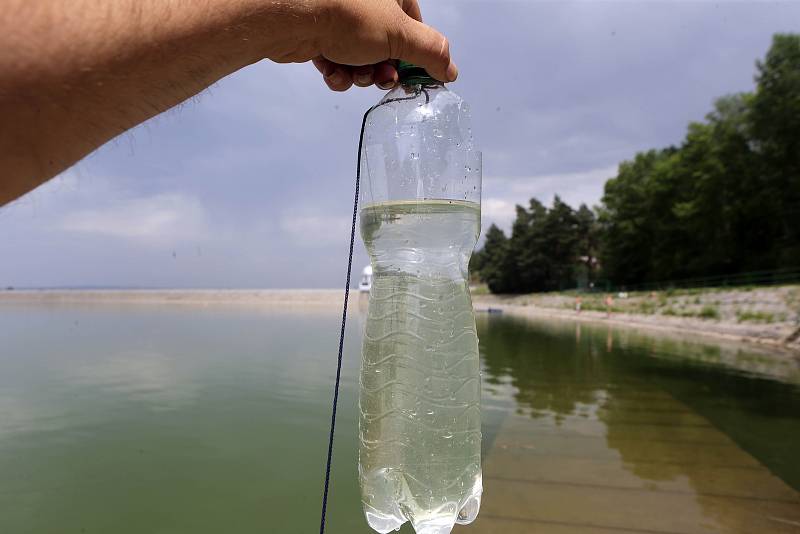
410 74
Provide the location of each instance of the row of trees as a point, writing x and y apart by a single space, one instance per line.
726 201
548 249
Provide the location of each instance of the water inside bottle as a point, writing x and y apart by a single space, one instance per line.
420 434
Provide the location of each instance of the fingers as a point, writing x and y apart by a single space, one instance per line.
341 77
420 44
363 76
396 23
411 7
385 75
337 77
320 63
363 58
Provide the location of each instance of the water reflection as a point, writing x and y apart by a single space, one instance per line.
138 419
145 376
544 386
630 417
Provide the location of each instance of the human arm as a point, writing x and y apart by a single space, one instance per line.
73 75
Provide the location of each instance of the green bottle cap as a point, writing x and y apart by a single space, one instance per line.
410 74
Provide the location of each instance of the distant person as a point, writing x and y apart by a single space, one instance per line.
609 305
74 75
578 302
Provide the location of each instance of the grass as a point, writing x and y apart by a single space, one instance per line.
591 305
688 291
482 289
709 312
646 307
696 303
677 313
755 317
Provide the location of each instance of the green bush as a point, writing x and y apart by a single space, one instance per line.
646 307
479 290
744 316
708 312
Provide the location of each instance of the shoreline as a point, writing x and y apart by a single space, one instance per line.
764 335
194 297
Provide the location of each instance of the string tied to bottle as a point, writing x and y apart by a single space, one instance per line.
420 222
408 75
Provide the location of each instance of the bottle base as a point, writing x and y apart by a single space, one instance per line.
384 523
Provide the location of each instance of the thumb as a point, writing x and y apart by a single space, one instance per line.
420 44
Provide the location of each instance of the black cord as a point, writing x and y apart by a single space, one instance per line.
347 298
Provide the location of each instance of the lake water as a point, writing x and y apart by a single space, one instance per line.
187 419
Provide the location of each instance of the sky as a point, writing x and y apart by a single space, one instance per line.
250 184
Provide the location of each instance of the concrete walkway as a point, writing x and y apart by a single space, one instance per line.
646 465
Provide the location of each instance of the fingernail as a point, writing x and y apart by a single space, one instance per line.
336 78
452 72
388 84
363 79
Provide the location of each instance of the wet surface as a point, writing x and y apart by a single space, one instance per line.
617 432
140 418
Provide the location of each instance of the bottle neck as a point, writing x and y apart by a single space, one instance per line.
410 74
417 84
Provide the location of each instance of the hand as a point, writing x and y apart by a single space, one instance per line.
70 81
361 38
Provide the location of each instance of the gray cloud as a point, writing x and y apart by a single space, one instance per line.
250 185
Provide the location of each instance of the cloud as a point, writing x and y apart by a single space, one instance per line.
157 218
260 168
497 211
316 230
501 195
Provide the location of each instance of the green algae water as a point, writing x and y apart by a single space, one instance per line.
420 425
132 418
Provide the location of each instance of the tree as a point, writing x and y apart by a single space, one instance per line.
727 200
544 250
627 220
776 135
496 268
587 246
528 248
561 239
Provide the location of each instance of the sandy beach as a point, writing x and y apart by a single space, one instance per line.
765 335
782 336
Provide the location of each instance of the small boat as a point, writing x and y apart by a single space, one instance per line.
366 279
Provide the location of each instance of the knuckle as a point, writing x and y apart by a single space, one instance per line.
397 43
444 51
